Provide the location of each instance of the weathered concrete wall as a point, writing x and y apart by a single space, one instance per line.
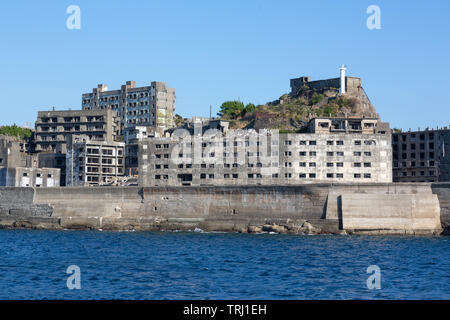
442 190
306 208
210 208
17 209
385 208
395 213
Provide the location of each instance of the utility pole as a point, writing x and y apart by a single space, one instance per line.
210 112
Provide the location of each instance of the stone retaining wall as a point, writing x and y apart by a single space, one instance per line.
294 209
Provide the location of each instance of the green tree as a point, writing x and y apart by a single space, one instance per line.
231 109
16 131
248 108
316 98
178 120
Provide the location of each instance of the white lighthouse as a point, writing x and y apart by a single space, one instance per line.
343 68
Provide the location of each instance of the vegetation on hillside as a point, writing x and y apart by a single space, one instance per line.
16 131
178 120
287 113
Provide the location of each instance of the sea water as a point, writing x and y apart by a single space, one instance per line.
195 265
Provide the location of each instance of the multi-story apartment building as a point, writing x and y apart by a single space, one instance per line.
336 150
152 105
421 156
92 163
21 169
29 177
54 127
13 153
132 136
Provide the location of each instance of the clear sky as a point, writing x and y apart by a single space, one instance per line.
212 51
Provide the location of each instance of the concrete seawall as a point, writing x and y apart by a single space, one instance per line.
442 190
321 208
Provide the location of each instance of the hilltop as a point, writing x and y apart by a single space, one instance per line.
307 100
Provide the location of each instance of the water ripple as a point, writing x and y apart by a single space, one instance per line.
144 265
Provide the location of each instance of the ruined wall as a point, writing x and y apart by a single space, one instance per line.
352 84
442 190
17 209
377 207
210 208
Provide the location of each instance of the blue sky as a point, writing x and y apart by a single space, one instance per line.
213 51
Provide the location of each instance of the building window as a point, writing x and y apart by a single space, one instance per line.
330 164
330 175
312 153
302 175
357 175
340 143
367 164
367 175
312 143
339 164
312 164
339 175
302 164
330 143
312 175
357 164
357 142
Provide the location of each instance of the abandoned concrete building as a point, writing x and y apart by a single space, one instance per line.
53 127
132 136
337 150
421 156
350 87
21 169
93 163
152 105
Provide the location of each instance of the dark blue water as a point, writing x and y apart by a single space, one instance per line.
141 265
